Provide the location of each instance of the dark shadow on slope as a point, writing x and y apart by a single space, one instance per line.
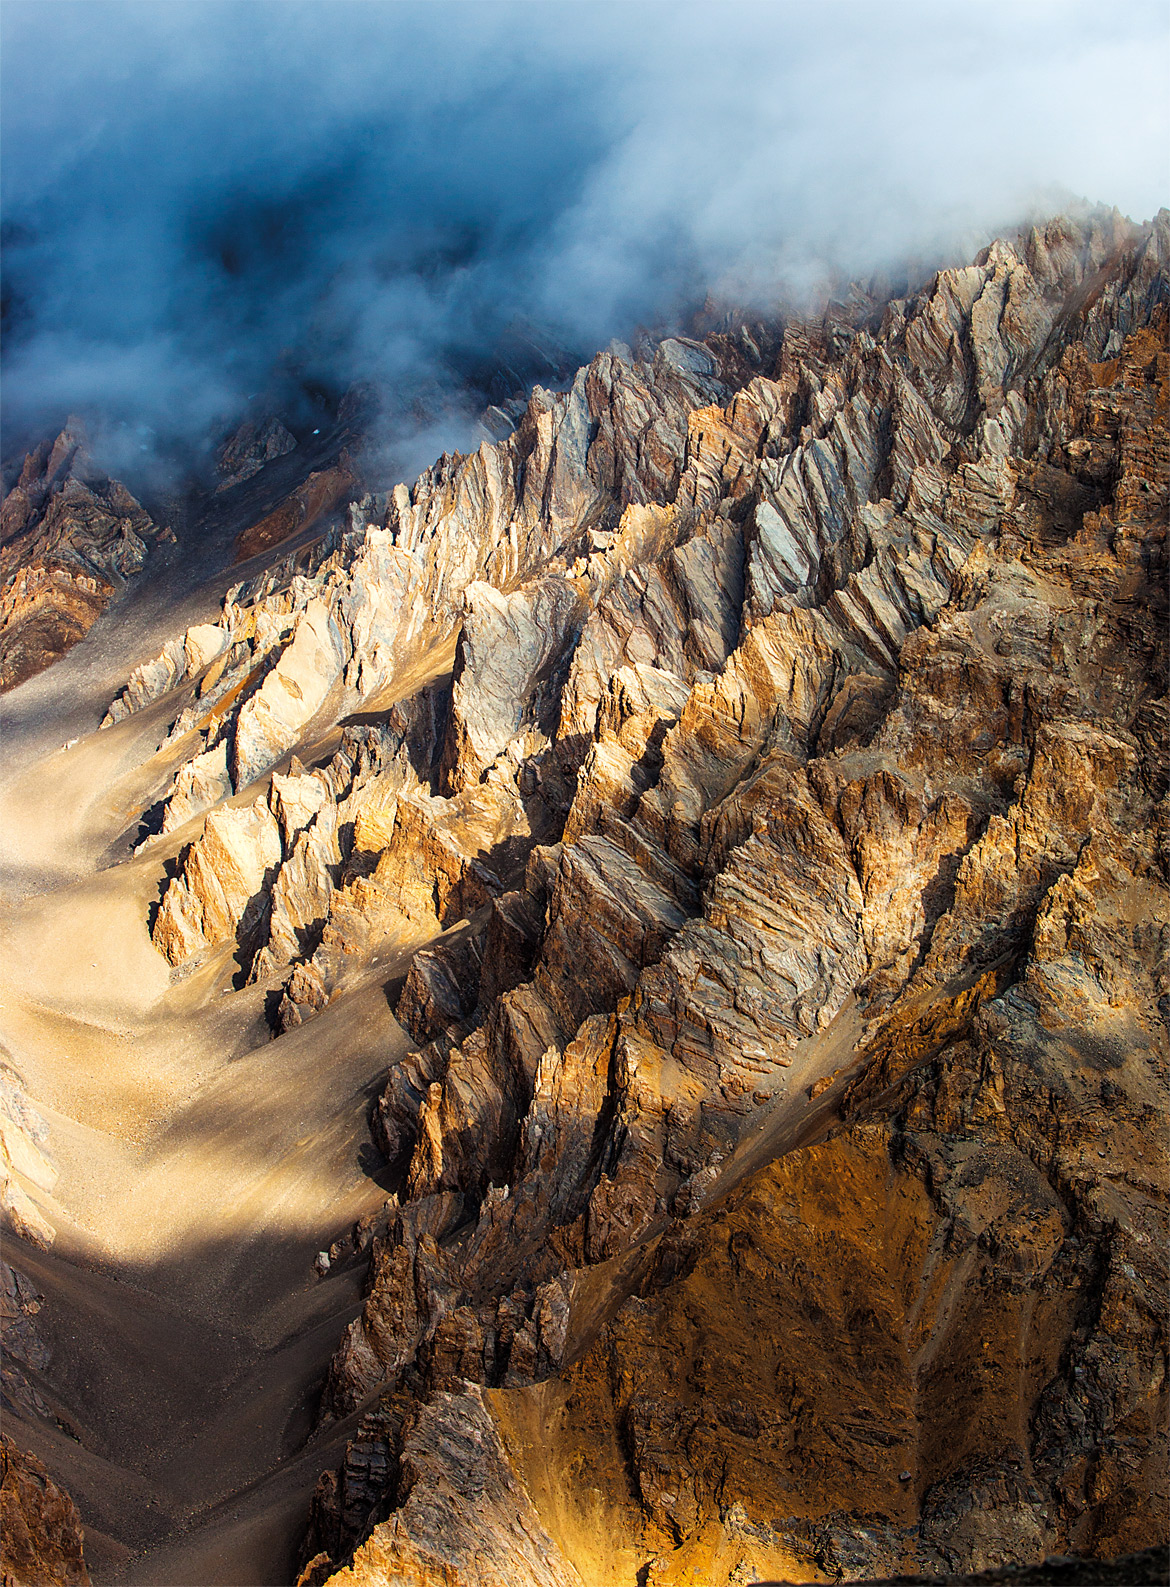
158 1416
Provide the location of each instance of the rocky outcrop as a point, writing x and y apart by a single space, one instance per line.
266 874
69 538
272 720
397 586
24 1156
24 1354
782 836
1147 1566
223 891
40 1529
442 988
245 452
853 766
319 494
462 1515
510 647
373 603
203 646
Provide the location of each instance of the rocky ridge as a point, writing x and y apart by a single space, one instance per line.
806 724
69 537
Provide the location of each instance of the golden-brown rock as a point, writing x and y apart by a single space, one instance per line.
69 538
869 788
40 1530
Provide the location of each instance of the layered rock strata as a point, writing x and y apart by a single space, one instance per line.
806 730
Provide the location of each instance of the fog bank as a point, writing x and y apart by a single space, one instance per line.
199 192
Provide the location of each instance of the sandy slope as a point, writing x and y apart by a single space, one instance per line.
201 1166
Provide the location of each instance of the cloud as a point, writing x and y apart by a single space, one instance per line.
199 192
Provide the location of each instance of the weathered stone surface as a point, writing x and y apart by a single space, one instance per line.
24 1154
442 987
25 1355
221 892
40 1530
203 644
464 1514
301 893
505 669
293 692
858 735
69 537
245 453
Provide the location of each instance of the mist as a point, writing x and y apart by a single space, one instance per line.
210 205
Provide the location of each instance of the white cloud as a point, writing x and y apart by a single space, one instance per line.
193 188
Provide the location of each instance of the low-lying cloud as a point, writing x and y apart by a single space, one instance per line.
201 192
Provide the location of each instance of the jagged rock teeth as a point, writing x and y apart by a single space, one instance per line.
223 891
69 537
800 753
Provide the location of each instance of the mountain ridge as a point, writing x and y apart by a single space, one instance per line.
775 836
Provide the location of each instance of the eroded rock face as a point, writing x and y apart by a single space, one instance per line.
245 452
865 743
40 1529
69 537
455 1479
290 696
224 886
807 720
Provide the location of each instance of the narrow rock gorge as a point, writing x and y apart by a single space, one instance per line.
601 1017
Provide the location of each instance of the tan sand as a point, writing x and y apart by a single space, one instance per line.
201 1165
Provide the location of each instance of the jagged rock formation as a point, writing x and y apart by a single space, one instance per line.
806 733
68 538
246 451
40 1529
386 596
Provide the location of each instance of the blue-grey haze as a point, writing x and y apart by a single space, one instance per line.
198 192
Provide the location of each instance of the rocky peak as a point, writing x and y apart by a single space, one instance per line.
246 451
759 753
69 537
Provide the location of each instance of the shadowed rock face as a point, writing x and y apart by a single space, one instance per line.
770 735
245 452
1143 1569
